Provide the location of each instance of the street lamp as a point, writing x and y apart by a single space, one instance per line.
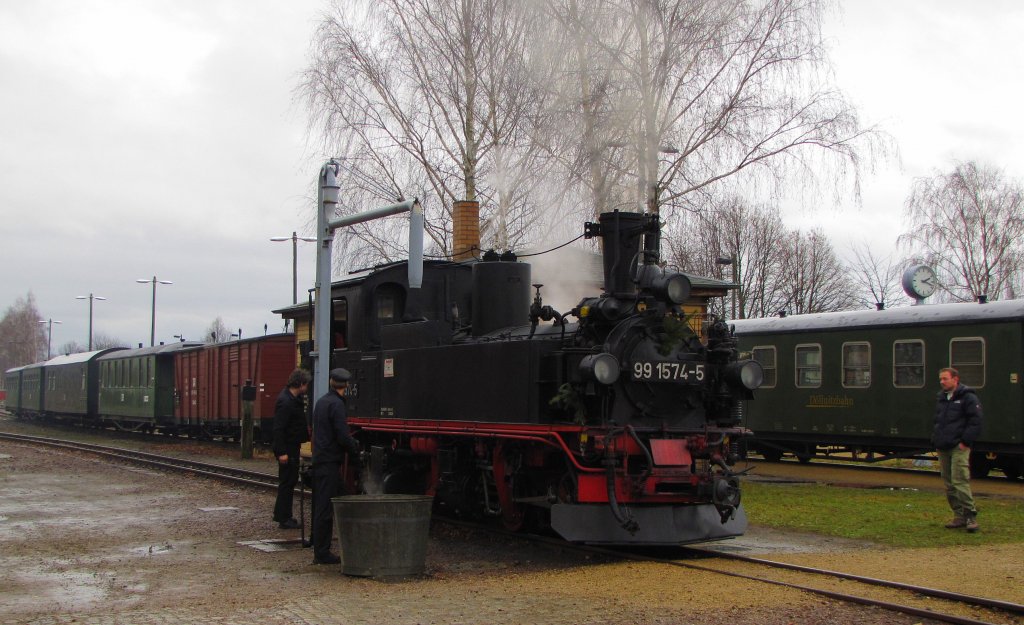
295 238
152 323
90 297
49 333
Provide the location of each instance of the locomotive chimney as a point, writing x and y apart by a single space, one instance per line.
622 235
466 229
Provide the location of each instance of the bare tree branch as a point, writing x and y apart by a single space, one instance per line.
969 224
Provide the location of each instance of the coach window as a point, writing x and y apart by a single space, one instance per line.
765 356
856 365
908 364
967 355
808 366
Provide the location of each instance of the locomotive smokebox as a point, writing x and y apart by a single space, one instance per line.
623 234
501 295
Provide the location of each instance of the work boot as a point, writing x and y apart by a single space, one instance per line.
957 523
972 525
327 559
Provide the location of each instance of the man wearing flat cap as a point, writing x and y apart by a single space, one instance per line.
331 440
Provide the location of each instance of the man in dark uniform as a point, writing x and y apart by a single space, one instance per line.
957 426
331 440
290 431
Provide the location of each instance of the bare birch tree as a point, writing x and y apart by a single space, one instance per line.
815 279
217 332
751 239
430 98
969 224
22 337
876 277
587 106
700 91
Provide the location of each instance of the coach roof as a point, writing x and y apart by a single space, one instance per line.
925 314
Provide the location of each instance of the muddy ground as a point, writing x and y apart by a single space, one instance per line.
85 541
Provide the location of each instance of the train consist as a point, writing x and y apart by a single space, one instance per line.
181 388
866 381
615 422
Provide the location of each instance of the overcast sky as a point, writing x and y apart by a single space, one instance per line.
149 138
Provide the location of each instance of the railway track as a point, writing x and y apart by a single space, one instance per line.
233 474
113 432
755 570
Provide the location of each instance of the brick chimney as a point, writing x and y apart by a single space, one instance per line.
466 226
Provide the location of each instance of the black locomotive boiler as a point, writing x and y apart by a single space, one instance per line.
612 423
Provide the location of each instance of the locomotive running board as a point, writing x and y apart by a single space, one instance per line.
659 525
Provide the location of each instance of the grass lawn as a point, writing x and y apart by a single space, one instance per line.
902 518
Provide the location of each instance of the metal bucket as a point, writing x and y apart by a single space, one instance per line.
382 535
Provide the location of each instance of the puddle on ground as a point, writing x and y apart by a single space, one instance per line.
66 590
151 550
270 545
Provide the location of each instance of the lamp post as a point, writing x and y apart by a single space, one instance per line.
295 238
152 323
90 297
49 333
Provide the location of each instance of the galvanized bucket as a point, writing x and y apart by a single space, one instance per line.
382 535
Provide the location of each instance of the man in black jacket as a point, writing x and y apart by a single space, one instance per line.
957 426
290 431
331 441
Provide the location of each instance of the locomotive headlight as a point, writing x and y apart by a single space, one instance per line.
745 373
673 287
601 367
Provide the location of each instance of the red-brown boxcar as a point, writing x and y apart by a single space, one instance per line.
209 382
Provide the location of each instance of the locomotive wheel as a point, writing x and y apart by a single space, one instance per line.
515 519
771 454
805 456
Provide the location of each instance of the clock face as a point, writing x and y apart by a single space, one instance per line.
919 281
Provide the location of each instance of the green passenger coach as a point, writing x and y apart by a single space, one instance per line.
867 381
136 386
68 382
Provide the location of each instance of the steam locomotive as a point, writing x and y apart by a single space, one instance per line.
614 423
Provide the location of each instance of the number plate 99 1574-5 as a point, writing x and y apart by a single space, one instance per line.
652 371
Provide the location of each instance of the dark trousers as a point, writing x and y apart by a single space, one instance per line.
326 483
287 478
